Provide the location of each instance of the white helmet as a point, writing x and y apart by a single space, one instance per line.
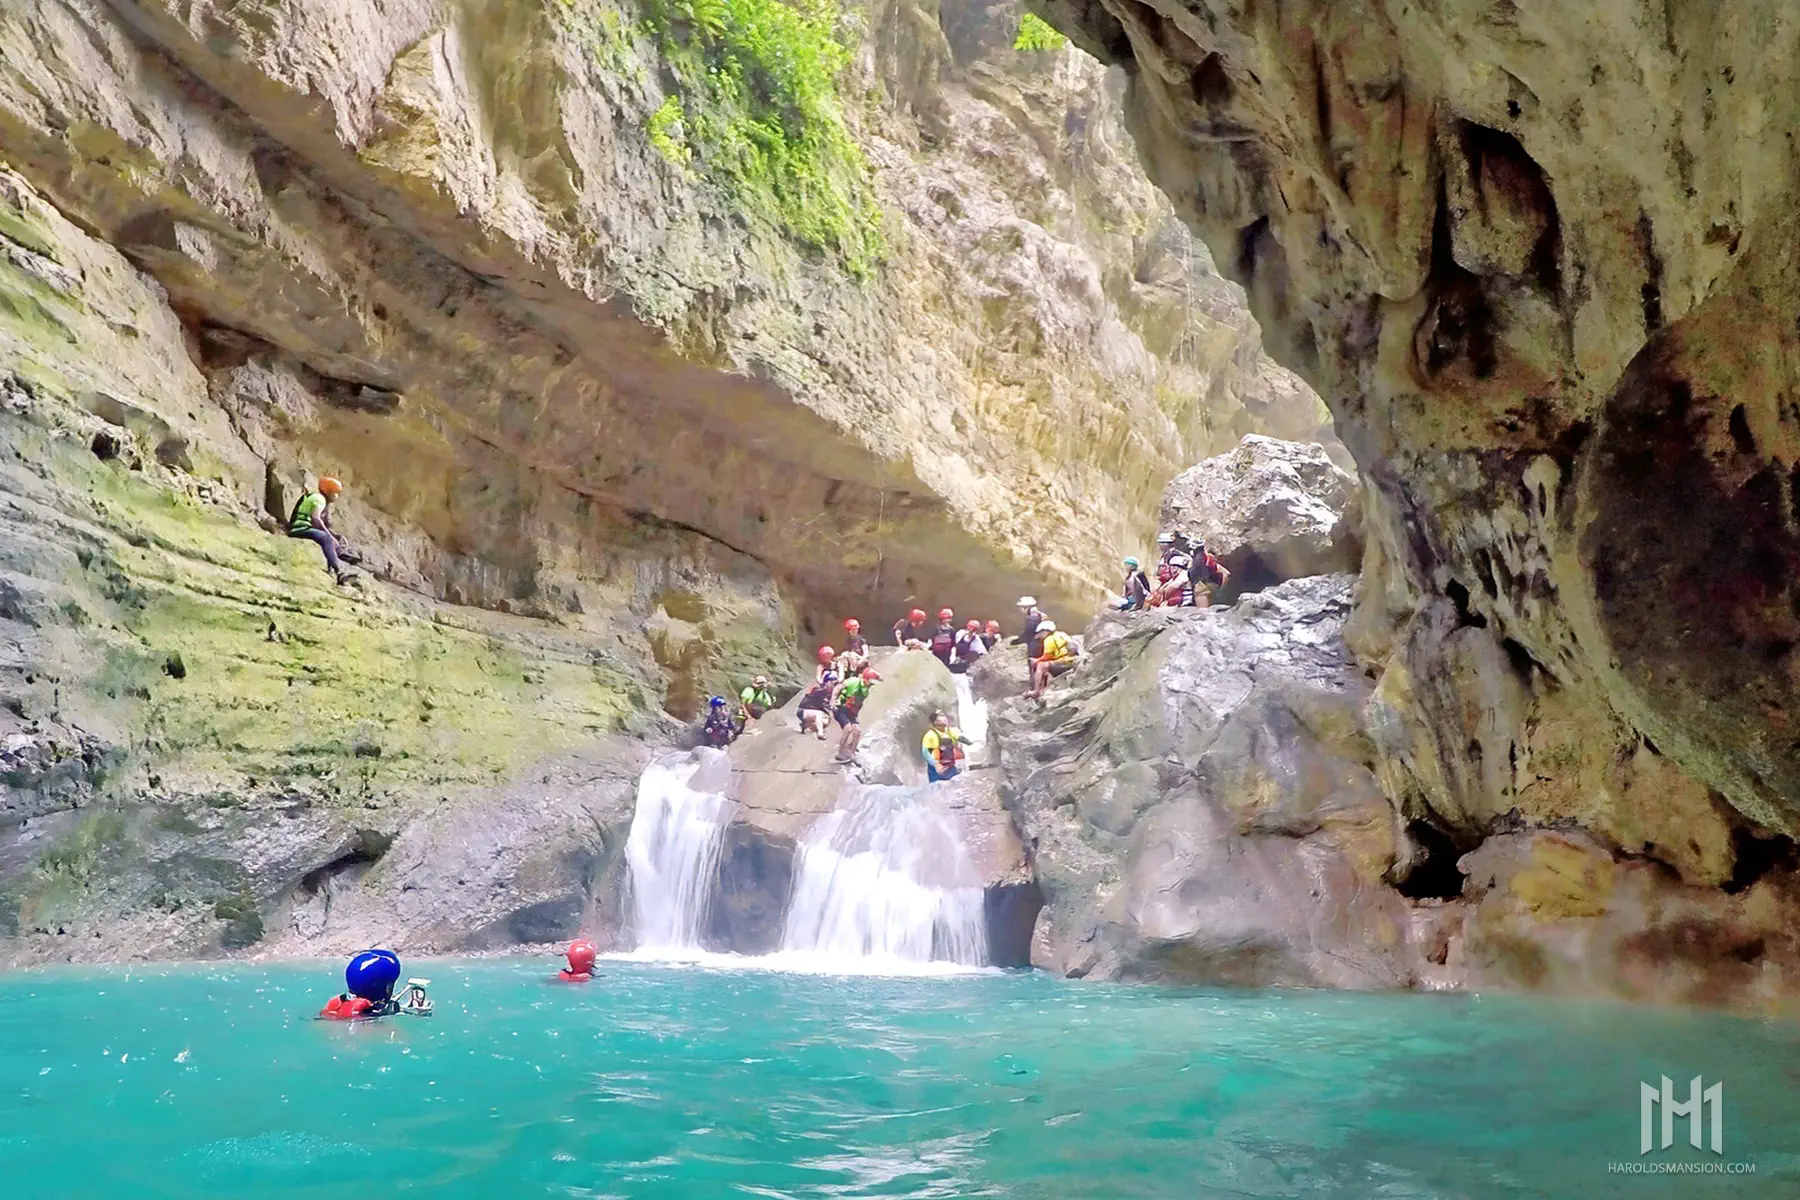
1046 626
1027 601
1165 539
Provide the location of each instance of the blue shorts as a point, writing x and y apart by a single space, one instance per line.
937 776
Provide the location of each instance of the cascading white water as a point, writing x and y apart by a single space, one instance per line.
887 877
971 714
673 855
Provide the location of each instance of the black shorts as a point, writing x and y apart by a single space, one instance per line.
845 716
1060 668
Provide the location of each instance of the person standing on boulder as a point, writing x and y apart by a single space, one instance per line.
911 632
754 701
942 749
846 706
1206 572
969 647
311 519
943 639
1137 586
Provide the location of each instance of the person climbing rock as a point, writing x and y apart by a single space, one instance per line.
969 647
815 703
942 749
911 632
311 519
992 636
719 729
854 642
754 701
1136 592
943 638
846 707
1206 572
1058 658
1028 633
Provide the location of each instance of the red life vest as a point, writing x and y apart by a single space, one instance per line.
345 1008
568 976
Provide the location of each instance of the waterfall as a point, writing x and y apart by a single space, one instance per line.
673 855
971 714
886 877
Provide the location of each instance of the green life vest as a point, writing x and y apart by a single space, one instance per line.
302 519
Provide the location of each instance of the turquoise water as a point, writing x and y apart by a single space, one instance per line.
684 1082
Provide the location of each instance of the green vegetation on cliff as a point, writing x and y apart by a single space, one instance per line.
1036 34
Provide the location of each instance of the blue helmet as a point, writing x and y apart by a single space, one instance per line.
717 702
1132 562
372 974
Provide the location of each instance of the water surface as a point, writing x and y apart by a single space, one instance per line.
661 1081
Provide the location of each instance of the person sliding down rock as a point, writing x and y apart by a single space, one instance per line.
1137 587
943 639
911 632
969 647
720 730
846 706
942 749
1058 658
815 704
311 519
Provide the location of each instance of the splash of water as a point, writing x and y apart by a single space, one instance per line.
673 855
971 714
887 877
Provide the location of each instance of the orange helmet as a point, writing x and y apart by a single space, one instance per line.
917 615
329 486
853 625
946 614
827 654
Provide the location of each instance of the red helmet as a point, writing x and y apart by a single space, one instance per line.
871 675
946 614
917 615
581 956
827 654
993 627
853 625
973 626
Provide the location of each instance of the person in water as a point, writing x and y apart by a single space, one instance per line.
846 707
719 729
311 519
369 980
1057 658
581 955
815 703
942 749
753 702
1137 586
943 638
969 647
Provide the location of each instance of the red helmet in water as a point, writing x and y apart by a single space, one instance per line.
946 614
973 627
581 956
853 625
827 654
916 616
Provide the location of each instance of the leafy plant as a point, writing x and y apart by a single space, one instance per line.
759 108
1037 34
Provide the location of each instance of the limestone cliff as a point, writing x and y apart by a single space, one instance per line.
1540 264
620 419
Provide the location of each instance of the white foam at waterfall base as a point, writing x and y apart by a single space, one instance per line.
673 856
971 714
885 880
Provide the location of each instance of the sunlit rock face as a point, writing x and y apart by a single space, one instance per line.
1540 264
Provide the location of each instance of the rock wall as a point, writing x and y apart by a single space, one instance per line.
1536 263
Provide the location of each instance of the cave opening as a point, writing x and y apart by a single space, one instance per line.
1758 855
1435 874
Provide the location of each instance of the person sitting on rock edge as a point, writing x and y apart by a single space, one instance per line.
846 705
911 632
815 704
942 748
969 647
1137 587
311 519
719 730
1058 658
754 701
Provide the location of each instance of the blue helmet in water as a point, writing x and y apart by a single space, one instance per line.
372 974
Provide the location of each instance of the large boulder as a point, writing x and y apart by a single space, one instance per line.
1269 510
1200 804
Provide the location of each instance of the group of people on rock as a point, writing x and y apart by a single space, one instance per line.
1186 575
956 648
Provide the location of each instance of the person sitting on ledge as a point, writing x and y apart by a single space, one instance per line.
1058 658
942 749
311 519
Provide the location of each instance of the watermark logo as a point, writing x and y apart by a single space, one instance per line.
1699 1105
1658 1108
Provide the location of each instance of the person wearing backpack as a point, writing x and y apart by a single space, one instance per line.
1058 658
1206 573
1137 587
311 519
